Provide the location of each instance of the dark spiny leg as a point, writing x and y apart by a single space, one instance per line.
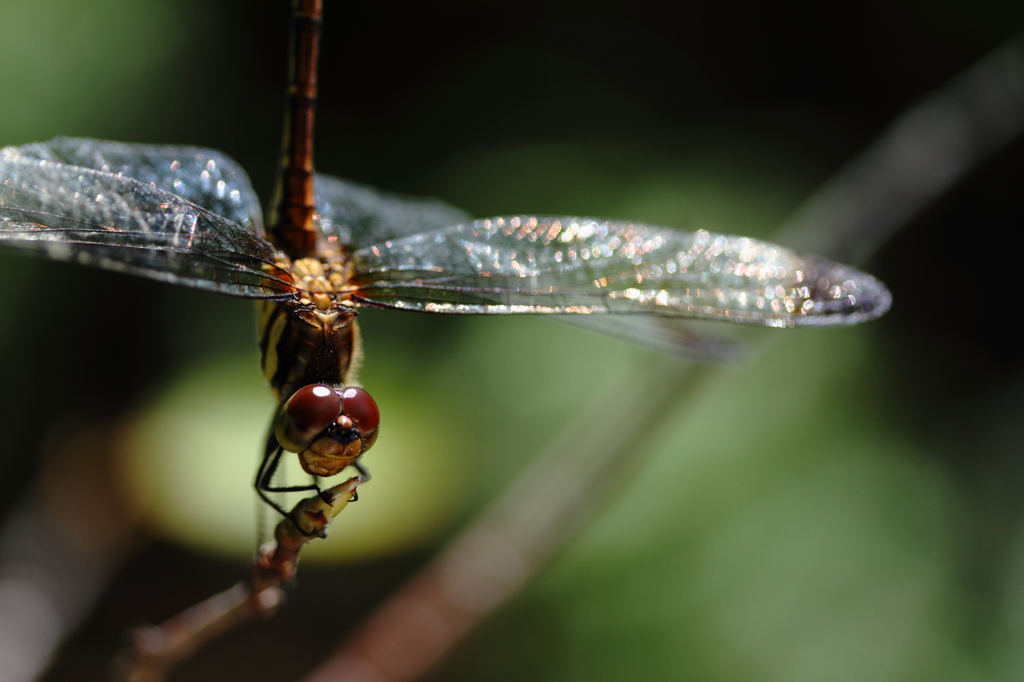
364 476
323 496
267 469
364 473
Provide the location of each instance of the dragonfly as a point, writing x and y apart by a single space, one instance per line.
188 216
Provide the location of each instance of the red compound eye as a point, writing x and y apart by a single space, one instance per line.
313 407
361 408
311 410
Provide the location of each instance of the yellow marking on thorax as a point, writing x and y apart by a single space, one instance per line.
322 301
313 278
329 273
270 358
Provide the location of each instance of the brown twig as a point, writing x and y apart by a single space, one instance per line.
154 650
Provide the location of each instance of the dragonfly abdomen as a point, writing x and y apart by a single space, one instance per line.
301 344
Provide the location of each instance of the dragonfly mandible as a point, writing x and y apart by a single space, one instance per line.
189 216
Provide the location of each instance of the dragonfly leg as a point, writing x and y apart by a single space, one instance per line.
364 473
266 471
364 476
264 476
316 486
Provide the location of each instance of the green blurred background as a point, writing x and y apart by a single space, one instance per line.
845 507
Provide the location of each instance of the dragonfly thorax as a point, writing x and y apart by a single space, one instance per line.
309 339
316 275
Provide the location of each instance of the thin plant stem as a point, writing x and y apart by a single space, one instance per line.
156 649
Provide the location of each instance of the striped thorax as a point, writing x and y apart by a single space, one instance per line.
312 338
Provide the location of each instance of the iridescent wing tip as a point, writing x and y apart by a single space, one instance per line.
838 295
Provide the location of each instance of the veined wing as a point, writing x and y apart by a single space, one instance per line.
205 177
590 266
669 335
97 218
357 216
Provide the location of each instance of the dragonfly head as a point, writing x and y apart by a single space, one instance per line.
329 428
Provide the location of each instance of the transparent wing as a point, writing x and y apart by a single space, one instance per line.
358 216
669 335
205 177
97 218
590 266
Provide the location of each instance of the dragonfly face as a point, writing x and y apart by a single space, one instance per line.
188 216
328 428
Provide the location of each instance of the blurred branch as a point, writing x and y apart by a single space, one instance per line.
921 155
918 158
156 649
59 546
